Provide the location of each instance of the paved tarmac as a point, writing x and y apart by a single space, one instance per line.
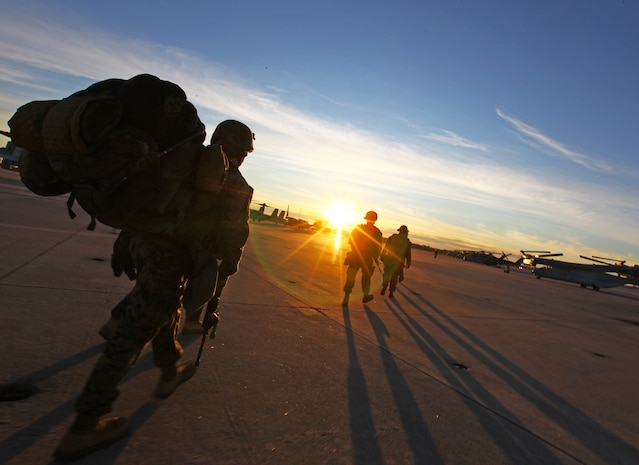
468 365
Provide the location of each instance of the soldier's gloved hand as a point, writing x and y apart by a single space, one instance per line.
211 317
210 321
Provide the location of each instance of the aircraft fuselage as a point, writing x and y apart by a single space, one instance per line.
583 276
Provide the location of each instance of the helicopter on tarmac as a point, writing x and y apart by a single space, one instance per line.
597 276
276 216
489 259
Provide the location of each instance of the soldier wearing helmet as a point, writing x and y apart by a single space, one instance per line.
229 220
366 242
395 255
235 138
215 228
150 313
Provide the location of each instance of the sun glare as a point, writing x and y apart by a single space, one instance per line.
340 214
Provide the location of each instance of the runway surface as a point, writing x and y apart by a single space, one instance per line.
467 365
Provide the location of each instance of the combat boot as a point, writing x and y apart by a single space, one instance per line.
368 298
168 384
88 434
383 291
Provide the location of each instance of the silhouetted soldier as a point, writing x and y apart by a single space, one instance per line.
396 255
366 244
160 265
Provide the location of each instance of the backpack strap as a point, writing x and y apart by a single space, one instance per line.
70 202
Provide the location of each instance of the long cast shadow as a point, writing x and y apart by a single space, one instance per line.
25 438
416 430
366 447
587 431
62 365
21 440
515 449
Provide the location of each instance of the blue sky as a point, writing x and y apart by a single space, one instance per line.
492 125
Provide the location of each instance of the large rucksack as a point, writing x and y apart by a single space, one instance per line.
126 150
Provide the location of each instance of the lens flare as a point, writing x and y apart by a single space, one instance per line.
340 214
303 264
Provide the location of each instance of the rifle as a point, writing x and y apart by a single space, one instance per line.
210 321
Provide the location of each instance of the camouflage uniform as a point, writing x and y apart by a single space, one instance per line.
395 255
234 222
220 233
150 312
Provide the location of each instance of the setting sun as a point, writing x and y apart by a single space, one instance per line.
340 214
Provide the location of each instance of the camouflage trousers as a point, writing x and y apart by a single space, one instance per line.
393 269
149 313
351 273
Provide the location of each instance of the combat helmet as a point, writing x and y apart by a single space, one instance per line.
236 138
371 216
403 229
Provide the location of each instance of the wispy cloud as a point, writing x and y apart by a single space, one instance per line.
534 137
450 138
305 159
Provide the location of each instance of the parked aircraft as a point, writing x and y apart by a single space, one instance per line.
10 155
304 225
615 261
282 217
297 223
276 216
259 214
529 256
490 259
604 275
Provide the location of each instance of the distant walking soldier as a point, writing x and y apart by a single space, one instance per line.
395 255
366 243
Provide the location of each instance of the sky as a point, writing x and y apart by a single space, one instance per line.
493 125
